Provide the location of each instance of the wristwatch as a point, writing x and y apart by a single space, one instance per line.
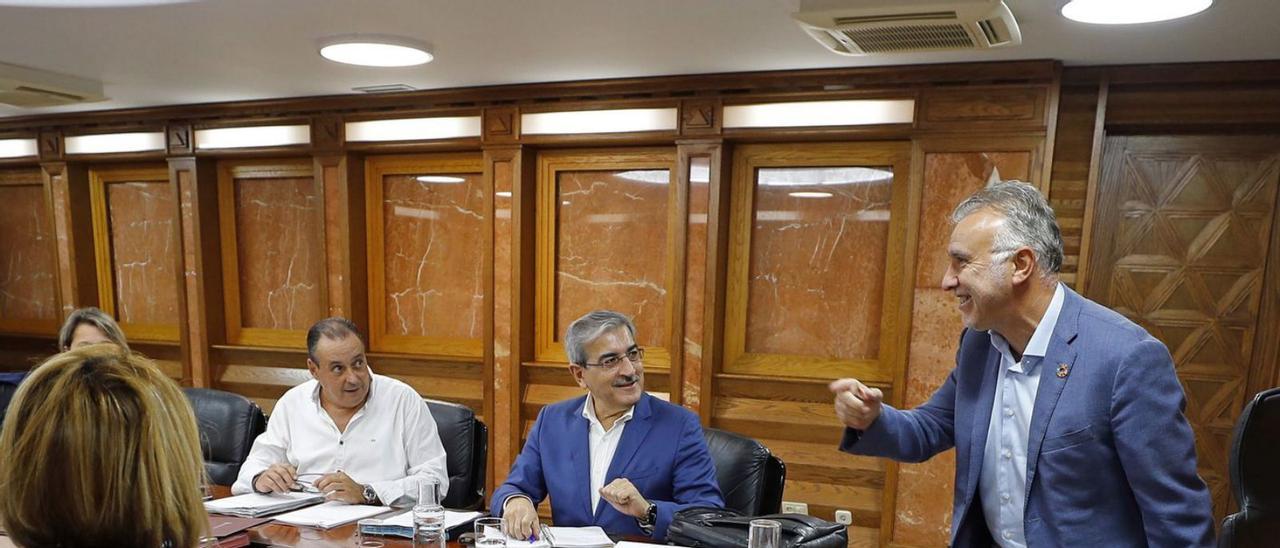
370 496
650 517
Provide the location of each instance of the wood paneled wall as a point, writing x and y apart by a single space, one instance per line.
266 241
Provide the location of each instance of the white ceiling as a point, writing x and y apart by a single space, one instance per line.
223 50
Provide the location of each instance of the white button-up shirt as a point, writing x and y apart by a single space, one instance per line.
391 443
1004 463
602 444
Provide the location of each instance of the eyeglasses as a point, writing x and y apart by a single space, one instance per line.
614 360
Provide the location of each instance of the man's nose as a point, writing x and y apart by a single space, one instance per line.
949 279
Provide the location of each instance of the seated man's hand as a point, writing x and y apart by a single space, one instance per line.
520 518
625 498
277 478
340 486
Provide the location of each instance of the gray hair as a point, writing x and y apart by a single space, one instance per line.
1029 222
92 316
334 329
588 328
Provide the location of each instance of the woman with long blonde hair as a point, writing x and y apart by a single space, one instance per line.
101 449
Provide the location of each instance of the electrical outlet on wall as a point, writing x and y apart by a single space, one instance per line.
795 507
844 517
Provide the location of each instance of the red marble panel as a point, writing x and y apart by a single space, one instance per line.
612 248
949 178
695 278
818 247
922 511
502 298
27 262
278 247
433 234
143 252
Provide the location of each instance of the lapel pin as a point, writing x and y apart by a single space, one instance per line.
1063 369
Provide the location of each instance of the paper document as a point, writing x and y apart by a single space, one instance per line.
331 514
565 537
254 505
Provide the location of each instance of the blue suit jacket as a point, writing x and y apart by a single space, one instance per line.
1111 459
662 452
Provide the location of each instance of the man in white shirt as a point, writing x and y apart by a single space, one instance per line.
355 436
618 457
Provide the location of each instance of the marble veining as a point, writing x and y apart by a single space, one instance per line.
140 218
817 262
433 238
611 248
27 262
695 279
278 239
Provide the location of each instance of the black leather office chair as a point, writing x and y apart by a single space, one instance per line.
466 444
228 425
751 478
1255 476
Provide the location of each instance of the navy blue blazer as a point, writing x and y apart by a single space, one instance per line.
662 452
1111 459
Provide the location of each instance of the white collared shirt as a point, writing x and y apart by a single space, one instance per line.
391 443
602 445
1003 482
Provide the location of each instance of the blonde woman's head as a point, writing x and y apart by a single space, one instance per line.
100 448
89 325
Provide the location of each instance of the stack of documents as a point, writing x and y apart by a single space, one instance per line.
401 525
331 514
566 537
255 505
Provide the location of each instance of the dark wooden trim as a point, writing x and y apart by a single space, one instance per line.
1051 130
524 236
1091 188
818 80
1264 372
1176 73
73 230
718 209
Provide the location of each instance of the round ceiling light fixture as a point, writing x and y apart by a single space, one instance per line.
375 50
1129 12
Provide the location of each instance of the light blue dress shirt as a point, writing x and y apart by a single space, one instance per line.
1003 484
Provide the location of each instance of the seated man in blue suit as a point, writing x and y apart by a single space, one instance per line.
1066 417
617 457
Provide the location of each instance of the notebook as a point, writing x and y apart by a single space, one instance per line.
254 505
401 525
331 514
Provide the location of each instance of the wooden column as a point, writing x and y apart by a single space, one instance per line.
341 177
67 185
202 317
699 322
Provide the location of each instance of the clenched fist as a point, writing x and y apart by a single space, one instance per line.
857 405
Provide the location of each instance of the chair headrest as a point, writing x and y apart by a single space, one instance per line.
1255 478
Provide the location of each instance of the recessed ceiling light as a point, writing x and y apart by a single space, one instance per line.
1127 12
809 194
375 51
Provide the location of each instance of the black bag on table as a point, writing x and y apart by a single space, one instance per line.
702 527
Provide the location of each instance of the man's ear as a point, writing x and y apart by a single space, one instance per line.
312 367
578 371
1024 265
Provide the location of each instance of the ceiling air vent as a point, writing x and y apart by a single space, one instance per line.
908 25
32 88
384 88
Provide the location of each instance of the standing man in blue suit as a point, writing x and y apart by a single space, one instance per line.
1066 417
617 457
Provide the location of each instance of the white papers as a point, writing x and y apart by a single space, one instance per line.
331 514
254 505
566 537
629 544
402 524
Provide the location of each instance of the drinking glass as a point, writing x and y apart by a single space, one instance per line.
765 533
489 533
428 516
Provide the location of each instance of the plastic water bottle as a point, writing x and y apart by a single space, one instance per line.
428 517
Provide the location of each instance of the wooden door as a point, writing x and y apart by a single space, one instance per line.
1185 229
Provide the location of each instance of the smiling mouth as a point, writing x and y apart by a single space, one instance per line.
965 300
628 384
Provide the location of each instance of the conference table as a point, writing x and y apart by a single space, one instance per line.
279 534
